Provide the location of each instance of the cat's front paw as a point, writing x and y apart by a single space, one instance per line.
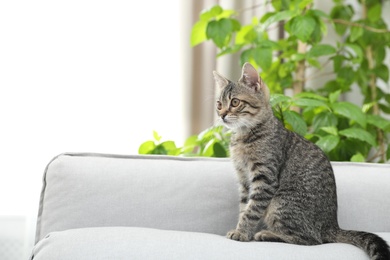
238 235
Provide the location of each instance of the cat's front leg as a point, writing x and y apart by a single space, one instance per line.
244 192
238 235
247 223
244 187
263 185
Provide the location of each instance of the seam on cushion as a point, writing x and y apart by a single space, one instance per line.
361 164
180 158
147 157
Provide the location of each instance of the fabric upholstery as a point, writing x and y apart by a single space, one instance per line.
142 243
143 191
97 206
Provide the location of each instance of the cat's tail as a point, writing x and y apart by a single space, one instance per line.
372 244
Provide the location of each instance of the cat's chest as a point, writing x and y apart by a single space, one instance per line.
242 153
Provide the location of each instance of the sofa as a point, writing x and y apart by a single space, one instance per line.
100 206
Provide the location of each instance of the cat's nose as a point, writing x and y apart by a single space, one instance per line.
223 116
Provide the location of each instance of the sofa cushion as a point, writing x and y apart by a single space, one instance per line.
143 243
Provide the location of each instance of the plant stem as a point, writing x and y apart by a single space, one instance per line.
372 85
299 82
368 28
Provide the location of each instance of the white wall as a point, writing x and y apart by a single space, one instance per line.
83 76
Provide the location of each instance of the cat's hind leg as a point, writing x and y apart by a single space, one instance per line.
287 224
269 236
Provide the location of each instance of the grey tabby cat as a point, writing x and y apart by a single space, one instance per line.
287 186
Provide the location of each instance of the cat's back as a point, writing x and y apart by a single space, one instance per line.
307 176
304 156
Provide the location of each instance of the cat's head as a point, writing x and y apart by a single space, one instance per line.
244 104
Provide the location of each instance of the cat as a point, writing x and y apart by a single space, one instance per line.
287 185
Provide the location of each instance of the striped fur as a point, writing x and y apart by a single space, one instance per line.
287 185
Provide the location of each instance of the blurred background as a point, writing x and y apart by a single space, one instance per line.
97 76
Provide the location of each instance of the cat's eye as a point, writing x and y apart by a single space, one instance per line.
219 105
235 102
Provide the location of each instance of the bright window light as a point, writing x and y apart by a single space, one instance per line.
83 76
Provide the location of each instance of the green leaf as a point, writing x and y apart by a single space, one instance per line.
278 98
225 14
380 54
296 121
146 147
385 108
208 149
230 50
190 144
337 62
356 33
213 12
245 35
304 3
236 26
307 102
198 33
302 27
320 13
159 150
346 75
219 150
276 17
374 12
324 119
310 95
170 147
156 136
350 111
379 122
334 96
321 50
263 57
359 134
383 72
344 12
265 17
280 4
367 107
314 62
358 158
330 130
328 143
209 134
357 52
219 31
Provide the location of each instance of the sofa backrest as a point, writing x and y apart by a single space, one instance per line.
94 190
188 194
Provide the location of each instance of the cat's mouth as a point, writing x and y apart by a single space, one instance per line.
230 122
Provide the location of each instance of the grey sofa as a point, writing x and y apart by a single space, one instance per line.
96 206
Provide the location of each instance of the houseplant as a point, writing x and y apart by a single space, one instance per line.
345 131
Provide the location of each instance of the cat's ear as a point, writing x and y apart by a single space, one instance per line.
220 80
250 78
